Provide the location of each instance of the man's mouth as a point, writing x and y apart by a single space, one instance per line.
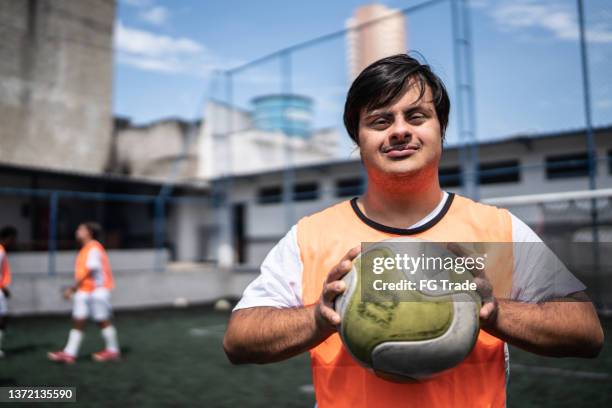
400 150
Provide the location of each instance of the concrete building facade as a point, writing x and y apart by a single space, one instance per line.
516 166
56 83
161 150
383 33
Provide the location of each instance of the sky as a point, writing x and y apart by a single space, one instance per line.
526 57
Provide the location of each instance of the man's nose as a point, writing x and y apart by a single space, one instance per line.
400 131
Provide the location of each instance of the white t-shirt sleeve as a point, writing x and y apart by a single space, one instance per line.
538 273
94 260
279 283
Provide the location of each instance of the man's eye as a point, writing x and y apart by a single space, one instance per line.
379 122
417 117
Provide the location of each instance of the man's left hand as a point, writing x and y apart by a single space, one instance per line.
489 306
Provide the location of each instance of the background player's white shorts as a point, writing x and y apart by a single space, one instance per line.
94 304
3 305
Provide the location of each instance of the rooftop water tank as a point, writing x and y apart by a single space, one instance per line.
291 114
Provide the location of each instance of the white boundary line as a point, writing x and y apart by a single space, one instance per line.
549 197
561 372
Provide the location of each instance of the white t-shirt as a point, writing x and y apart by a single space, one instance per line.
279 283
94 265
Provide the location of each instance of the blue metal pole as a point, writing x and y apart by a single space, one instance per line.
288 174
459 56
159 231
226 217
586 90
471 97
53 204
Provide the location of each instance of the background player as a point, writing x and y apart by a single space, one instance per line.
91 297
8 236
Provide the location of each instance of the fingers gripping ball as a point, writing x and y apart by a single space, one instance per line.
412 335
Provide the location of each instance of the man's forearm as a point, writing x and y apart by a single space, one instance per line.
267 334
558 328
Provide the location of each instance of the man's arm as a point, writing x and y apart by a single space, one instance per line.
267 334
566 327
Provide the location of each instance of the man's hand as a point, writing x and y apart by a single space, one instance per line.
268 334
564 327
325 316
68 292
489 306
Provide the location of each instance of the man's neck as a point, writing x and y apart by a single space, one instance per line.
399 208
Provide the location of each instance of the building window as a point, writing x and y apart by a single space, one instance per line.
610 161
567 166
450 176
507 171
349 187
270 195
305 191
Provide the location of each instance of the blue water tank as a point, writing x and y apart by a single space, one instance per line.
291 114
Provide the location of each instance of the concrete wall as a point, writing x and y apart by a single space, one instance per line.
42 294
192 226
37 263
151 150
56 83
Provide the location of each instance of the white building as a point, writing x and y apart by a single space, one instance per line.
382 33
521 165
231 144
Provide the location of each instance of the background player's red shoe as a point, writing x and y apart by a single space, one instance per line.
106 355
61 357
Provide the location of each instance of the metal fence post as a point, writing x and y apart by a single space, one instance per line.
52 243
288 172
159 231
466 111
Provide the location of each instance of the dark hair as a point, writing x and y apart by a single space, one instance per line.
382 81
8 232
94 228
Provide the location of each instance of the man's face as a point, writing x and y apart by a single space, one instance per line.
82 234
403 138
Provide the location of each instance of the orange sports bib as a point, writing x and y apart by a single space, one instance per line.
339 381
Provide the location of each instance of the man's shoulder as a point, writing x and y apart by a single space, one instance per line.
477 206
331 212
324 224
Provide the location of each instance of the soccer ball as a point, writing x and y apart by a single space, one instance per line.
402 331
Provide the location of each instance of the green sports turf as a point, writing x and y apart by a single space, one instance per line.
175 358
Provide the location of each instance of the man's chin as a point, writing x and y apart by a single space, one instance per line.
401 169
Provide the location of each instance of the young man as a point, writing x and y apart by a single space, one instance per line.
8 236
91 298
397 112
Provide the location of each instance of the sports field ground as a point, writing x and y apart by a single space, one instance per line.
174 358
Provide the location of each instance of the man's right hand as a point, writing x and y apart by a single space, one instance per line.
267 334
68 292
326 317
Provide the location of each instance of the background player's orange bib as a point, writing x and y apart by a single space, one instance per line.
5 270
89 283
